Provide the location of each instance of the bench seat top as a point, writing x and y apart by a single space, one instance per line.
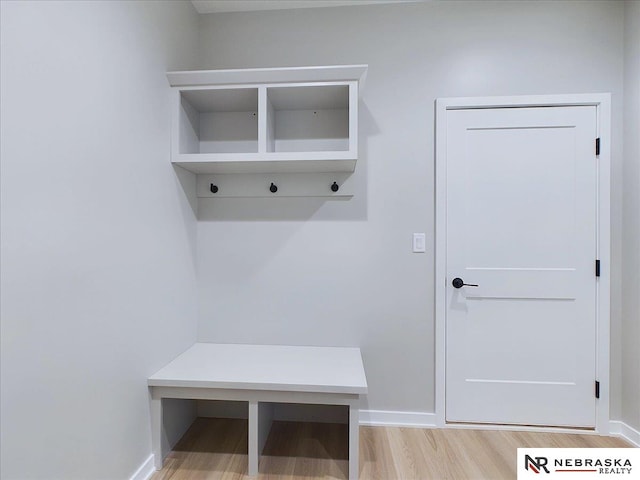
266 367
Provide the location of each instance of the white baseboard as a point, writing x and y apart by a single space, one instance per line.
390 418
146 470
623 430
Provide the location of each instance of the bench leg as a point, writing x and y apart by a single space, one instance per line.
253 454
354 440
156 430
260 420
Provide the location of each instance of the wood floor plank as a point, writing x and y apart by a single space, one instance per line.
216 449
376 459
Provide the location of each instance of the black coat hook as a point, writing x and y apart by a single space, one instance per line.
335 187
273 188
213 188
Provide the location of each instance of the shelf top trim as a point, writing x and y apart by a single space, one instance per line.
268 75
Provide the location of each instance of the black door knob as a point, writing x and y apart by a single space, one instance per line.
459 283
273 188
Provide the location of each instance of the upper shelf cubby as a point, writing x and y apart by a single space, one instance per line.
312 118
266 120
218 121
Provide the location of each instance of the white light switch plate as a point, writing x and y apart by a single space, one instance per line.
419 243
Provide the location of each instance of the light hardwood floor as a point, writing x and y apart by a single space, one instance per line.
215 448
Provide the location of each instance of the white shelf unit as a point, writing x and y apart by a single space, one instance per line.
269 120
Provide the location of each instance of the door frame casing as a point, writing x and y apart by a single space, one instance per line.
602 102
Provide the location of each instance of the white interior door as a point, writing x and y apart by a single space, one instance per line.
521 225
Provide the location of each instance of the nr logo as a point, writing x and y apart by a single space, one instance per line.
536 464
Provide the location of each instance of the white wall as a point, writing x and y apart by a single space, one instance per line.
311 272
631 219
98 239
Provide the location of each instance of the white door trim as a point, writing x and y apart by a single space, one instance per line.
602 102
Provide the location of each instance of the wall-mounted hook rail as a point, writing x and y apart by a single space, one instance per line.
275 185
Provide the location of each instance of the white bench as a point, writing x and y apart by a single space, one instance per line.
262 375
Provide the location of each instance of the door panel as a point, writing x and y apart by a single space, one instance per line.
521 224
